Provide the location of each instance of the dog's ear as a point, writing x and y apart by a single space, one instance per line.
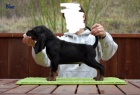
40 44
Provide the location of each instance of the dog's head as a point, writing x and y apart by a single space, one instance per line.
41 34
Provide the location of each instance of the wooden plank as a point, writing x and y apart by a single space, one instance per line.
66 89
11 35
135 65
3 58
24 94
109 89
85 89
135 82
121 59
3 90
133 60
49 94
7 81
22 89
125 35
18 59
13 94
43 89
111 63
129 89
128 58
6 87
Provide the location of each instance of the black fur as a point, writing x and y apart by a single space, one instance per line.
62 52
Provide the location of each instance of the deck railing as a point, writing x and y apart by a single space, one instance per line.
16 59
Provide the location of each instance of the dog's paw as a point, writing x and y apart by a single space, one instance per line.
99 78
51 79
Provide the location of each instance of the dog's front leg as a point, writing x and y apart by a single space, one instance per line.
52 76
53 71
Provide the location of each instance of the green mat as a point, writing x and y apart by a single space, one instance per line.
69 81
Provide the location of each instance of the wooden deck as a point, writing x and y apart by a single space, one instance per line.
8 87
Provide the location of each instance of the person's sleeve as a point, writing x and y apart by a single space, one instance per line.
41 58
107 47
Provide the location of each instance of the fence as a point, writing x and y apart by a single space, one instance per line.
16 59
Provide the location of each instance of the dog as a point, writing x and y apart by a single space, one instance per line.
62 52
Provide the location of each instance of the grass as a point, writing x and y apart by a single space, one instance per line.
117 16
16 25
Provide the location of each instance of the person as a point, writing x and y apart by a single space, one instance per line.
105 50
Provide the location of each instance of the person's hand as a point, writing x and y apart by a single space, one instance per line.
98 30
28 41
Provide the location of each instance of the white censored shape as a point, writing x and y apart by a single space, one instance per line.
74 18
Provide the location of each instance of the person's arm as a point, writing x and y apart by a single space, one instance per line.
107 47
41 58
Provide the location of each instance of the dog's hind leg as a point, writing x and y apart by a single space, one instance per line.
99 67
100 72
99 77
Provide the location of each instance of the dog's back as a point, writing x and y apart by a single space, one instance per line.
73 52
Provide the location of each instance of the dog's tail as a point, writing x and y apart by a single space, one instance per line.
96 39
